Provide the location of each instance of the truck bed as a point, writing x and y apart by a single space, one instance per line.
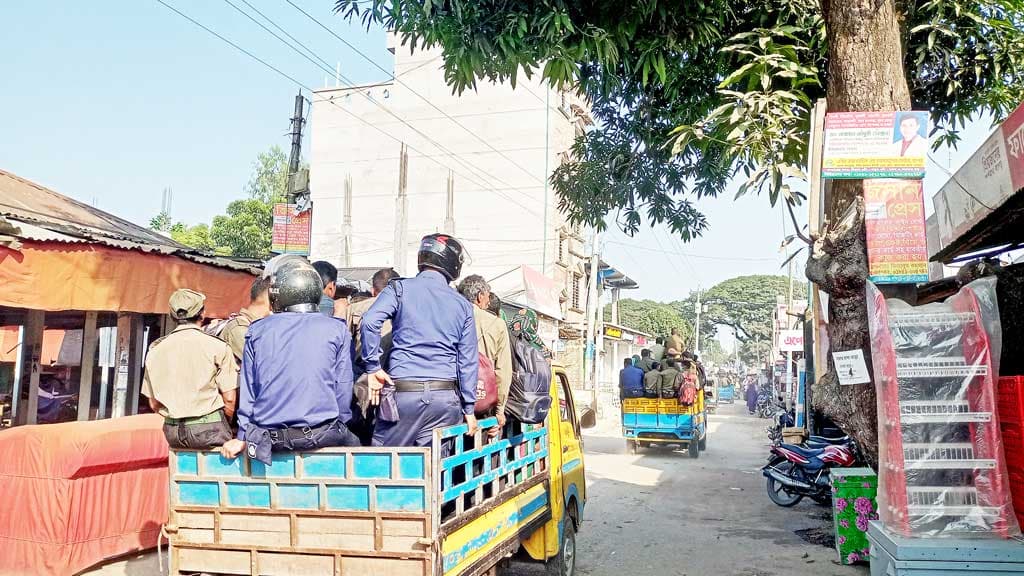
360 511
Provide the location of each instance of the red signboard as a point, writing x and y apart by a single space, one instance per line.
1013 134
291 230
894 219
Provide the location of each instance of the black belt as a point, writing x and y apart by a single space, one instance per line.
424 386
282 434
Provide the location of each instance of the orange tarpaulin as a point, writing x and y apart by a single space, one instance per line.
74 494
52 340
60 276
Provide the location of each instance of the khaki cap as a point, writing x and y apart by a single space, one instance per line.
186 303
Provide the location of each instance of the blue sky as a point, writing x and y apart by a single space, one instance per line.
111 102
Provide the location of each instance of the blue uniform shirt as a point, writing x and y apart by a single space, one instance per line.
631 377
296 371
434 335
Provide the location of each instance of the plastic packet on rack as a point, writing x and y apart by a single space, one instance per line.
941 466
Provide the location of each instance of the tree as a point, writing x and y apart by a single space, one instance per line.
247 228
269 180
654 318
735 79
161 222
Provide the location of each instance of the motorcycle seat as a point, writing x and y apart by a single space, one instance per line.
827 440
803 451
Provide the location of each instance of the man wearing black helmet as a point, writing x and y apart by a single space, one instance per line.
296 381
433 364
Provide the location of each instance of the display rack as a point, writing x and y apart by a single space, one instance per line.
941 467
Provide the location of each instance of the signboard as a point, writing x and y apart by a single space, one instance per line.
851 368
791 340
896 235
875 145
291 230
986 180
612 332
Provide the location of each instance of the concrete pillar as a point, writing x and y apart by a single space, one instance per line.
89 342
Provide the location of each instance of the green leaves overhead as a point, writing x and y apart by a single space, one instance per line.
688 94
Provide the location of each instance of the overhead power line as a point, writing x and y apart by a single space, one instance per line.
323 65
410 89
350 113
699 256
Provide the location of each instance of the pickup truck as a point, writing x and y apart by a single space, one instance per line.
388 511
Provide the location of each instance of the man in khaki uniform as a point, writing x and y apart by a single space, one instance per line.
675 341
191 378
491 337
235 328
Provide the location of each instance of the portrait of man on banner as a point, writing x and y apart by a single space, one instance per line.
910 135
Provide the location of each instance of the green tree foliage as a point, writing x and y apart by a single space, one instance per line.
654 318
735 79
246 229
746 303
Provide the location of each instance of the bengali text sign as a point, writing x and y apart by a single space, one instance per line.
875 145
894 219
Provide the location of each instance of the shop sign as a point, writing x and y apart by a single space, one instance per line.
896 234
791 340
291 231
612 332
875 145
985 181
640 340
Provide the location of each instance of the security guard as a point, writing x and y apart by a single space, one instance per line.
491 337
233 331
296 384
191 378
433 365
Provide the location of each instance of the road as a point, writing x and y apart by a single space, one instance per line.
660 513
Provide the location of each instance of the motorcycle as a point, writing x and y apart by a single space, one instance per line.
793 471
781 419
764 406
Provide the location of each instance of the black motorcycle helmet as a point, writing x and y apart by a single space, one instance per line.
295 286
443 253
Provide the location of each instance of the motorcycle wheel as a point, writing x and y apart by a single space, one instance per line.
778 494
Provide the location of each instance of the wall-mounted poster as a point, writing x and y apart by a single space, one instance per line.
875 145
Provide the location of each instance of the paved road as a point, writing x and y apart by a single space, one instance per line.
659 513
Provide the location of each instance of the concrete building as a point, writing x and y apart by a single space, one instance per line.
394 161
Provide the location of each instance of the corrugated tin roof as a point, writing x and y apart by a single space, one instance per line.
42 215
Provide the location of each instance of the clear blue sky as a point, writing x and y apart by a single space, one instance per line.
113 101
110 102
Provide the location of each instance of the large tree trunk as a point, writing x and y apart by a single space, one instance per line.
865 73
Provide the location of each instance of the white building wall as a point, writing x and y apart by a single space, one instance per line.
499 207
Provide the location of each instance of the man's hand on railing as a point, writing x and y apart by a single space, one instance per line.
471 424
232 448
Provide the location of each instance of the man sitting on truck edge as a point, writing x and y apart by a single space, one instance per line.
234 329
296 384
191 378
491 337
433 366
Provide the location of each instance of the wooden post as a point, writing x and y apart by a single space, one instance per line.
89 341
32 351
815 227
123 351
135 362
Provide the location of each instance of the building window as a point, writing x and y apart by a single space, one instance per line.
576 281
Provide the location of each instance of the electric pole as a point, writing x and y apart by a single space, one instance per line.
402 211
696 328
296 152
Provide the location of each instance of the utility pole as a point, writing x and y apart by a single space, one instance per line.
788 322
449 213
296 152
402 211
696 329
593 314
346 226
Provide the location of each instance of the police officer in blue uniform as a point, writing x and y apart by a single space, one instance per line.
432 373
295 390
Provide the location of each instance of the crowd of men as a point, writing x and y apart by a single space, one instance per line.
298 368
660 371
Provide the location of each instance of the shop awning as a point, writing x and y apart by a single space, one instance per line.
55 276
528 287
982 205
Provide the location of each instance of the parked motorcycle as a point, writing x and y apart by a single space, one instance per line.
796 471
782 418
764 405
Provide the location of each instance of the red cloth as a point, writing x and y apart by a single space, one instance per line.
74 494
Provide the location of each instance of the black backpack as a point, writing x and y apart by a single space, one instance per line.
529 396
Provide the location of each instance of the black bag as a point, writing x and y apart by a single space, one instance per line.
529 396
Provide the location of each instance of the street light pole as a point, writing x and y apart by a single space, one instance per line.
696 329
